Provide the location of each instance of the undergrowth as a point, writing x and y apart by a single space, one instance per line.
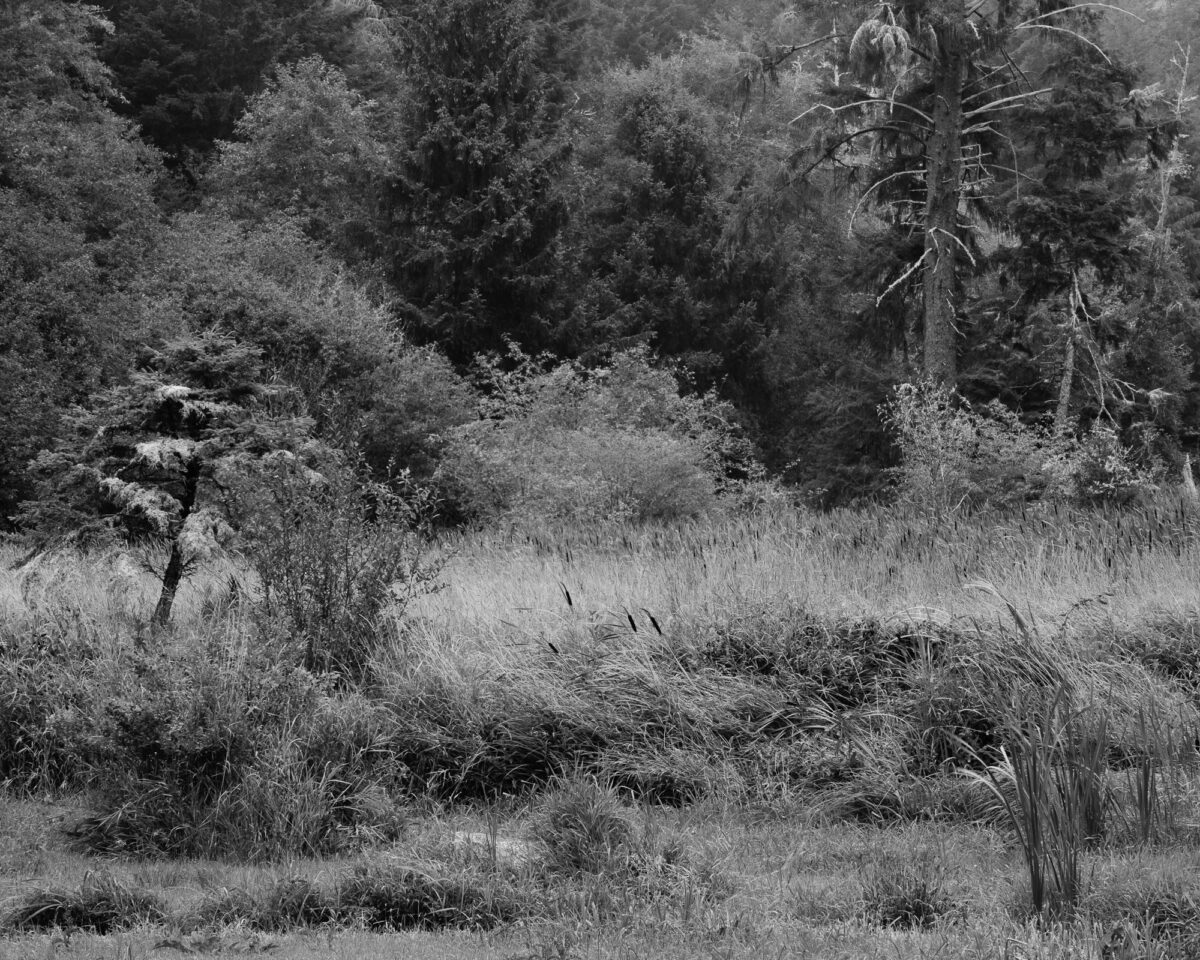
217 738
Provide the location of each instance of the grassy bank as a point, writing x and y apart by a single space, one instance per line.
847 734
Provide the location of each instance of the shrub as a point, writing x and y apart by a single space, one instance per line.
191 756
293 902
336 556
654 732
954 454
613 444
35 681
1147 915
387 895
907 895
1169 645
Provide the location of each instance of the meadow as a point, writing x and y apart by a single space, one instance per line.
779 734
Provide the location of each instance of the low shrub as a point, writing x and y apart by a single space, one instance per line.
953 454
338 556
657 732
1147 914
842 663
32 760
1168 645
907 895
613 444
292 902
585 828
190 756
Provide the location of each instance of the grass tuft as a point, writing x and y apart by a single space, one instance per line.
585 828
387 895
906 895
100 904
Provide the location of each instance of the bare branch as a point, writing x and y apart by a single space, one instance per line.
1007 100
829 151
875 186
1078 6
986 90
970 256
904 276
862 103
1073 33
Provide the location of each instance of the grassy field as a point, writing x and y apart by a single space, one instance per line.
875 734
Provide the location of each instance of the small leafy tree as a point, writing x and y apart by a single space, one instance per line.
307 149
148 454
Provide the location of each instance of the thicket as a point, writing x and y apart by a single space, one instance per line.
952 454
616 443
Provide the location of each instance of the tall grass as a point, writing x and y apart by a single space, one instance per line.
849 661
881 562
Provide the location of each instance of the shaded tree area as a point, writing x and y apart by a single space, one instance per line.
76 215
792 206
185 70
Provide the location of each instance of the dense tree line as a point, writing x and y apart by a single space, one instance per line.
794 206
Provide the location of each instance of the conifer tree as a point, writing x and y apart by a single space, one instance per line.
149 456
929 85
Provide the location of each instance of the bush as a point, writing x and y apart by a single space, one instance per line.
909 895
585 828
35 684
614 444
336 557
191 756
394 896
953 454
1168 645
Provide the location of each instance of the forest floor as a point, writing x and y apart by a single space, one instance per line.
871 864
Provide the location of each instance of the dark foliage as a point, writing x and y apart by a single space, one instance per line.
185 70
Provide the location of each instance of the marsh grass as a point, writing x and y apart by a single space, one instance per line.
790 674
101 903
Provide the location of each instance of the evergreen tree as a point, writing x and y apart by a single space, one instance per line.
648 256
472 210
938 81
147 455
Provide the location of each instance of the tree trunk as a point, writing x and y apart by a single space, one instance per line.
170 584
173 575
943 184
1063 412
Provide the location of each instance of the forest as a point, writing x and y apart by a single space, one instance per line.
389 230
599 478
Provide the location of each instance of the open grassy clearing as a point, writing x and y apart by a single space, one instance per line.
793 735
